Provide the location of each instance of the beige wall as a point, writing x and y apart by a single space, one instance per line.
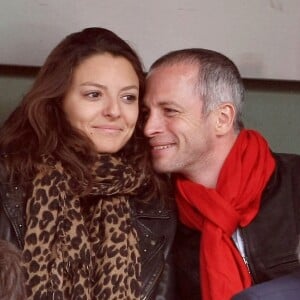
261 37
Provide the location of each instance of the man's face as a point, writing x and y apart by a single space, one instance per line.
180 135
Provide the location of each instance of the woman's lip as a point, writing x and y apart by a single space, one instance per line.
108 128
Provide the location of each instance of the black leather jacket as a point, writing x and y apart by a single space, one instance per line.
270 240
155 225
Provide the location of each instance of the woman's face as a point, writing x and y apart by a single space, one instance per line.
102 101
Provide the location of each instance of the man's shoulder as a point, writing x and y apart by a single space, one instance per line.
285 287
287 159
286 174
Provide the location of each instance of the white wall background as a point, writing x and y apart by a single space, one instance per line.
261 36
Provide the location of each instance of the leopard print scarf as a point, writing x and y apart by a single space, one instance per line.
72 253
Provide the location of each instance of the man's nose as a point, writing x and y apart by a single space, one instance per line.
153 124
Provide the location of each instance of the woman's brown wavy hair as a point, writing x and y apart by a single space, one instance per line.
39 126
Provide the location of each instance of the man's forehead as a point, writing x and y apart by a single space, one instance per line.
185 68
171 79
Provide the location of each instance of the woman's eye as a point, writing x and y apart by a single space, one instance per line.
93 94
130 98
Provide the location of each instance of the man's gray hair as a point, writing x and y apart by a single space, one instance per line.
218 81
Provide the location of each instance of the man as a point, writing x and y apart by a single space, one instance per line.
238 203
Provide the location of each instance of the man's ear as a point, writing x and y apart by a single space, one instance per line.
225 115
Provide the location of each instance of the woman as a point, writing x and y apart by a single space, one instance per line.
77 192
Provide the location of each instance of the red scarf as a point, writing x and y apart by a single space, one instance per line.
217 213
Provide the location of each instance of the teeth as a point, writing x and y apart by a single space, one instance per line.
161 147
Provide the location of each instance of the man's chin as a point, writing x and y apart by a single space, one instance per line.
160 167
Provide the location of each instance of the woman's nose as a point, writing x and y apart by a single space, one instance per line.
112 108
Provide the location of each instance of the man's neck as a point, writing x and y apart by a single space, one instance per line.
208 172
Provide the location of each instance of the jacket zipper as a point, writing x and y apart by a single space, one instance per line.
246 257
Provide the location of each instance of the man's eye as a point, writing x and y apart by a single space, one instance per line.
145 112
170 111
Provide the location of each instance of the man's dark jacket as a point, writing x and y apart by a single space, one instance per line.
270 240
155 225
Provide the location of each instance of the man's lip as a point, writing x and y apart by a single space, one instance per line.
161 146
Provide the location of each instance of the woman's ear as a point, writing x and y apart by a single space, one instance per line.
225 115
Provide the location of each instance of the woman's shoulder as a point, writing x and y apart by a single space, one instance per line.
157 213
3 170
160 204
